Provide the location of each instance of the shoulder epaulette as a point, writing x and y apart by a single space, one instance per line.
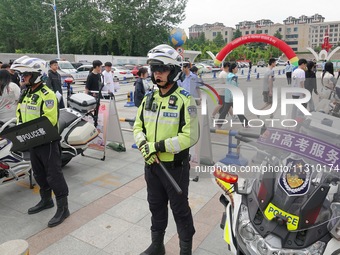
184 92
44 91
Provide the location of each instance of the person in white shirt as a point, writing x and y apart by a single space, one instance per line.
222 108
9 96
298 81
108 81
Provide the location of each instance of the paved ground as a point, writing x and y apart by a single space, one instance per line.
108 201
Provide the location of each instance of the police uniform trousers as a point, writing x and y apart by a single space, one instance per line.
160 191
46 165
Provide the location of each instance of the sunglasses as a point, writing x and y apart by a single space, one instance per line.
160 68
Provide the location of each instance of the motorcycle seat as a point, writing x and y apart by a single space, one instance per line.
65 119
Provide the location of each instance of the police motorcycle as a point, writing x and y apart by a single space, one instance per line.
14 166
286 201
74 130
330 100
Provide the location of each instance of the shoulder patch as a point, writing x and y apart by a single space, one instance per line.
192 110
44 91
185 93
49 104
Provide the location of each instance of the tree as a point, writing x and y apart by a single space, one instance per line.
218 40
237 34
278 34
120 27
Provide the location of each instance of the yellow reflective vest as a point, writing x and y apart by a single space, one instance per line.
40 102
173 121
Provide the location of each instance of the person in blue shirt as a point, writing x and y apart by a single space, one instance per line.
191 82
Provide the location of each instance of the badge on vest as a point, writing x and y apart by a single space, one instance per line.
172 102
170 114
49 104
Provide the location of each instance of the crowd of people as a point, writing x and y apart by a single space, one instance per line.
165 128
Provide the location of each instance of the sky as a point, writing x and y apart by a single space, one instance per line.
231 13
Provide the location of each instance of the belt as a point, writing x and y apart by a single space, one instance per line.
176 163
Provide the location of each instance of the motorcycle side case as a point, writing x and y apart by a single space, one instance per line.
81 134
82 102
323 126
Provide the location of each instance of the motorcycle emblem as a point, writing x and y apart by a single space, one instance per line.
295 180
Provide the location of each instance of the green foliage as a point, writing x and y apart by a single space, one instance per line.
278 34
119 27
237 34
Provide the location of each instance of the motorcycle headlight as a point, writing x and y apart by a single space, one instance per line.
247 232
262 247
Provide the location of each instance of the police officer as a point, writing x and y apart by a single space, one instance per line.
166 127
37 101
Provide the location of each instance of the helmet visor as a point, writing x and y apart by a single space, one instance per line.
160 68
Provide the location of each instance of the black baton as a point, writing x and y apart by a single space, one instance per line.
171 179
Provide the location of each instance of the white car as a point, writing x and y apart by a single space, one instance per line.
122 73
80 76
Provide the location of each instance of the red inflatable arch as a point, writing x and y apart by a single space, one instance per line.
263 38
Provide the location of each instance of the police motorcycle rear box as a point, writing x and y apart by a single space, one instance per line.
82 102
322 126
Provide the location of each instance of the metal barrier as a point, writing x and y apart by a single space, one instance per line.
232 157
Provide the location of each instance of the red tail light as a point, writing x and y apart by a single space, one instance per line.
69 80
4 165
226 177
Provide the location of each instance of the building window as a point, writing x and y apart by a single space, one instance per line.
280 29
226 40
289 30
295 29
335 39
226 33
247 32
214 34
266 31
252 32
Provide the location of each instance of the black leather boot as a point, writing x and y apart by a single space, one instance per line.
61 214
157 245
186 247
45 202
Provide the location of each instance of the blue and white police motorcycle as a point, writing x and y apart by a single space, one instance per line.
286 201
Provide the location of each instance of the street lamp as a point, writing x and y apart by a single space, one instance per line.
56 24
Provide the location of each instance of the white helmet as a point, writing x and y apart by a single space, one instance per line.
166 55
38 67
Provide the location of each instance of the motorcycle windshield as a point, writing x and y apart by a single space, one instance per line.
298 188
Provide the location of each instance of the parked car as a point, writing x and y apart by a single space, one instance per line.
261 63
203 68
280 62
66 70
76 64
122 73
133 69
82 73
